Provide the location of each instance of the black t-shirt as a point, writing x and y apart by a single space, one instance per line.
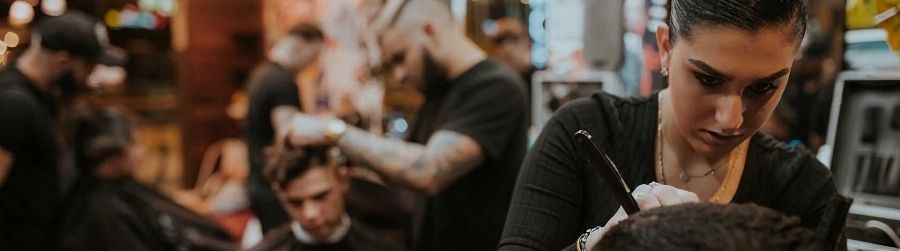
556 199
27 131
486 103
269 86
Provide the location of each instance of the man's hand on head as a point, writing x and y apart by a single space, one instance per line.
307 129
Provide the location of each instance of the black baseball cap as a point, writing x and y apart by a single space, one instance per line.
81 35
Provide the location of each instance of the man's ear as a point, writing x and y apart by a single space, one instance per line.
665 45
430 34
429 30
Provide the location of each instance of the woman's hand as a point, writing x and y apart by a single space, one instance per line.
647 196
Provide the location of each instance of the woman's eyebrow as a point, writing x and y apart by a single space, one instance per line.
715 73
709 69
774 76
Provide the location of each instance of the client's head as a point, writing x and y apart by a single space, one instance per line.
311 186
709 227
102 143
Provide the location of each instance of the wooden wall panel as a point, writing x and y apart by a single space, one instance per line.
223 44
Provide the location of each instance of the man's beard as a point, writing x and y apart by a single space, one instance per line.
67 87
434 75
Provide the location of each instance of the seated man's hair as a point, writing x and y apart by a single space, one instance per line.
96 134
709 227
287 163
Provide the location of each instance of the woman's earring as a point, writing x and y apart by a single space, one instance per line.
665 72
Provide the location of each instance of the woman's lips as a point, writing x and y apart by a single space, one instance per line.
720 140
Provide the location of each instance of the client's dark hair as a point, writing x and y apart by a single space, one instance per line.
709 227
287 163
94 135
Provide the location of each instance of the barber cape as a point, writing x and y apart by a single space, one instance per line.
359 237
128 215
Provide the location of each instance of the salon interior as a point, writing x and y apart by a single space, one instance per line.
188 80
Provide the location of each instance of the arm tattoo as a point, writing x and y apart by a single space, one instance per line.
428 168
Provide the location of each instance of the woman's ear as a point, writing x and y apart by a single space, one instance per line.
665 45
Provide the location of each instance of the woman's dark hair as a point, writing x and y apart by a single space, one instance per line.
749 15
94 135
697 226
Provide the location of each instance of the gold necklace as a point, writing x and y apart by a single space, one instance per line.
661 173
718 195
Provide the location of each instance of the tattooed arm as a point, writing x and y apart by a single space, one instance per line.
426 168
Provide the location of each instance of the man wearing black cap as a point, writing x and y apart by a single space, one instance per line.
62 54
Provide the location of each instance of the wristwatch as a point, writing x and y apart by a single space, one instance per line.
334 130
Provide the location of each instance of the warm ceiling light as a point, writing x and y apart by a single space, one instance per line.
167 7
148 5
53 7
11 39
20 13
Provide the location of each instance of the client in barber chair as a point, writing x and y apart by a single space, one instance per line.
108 210
311 187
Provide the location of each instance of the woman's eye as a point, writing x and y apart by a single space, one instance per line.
707 80
762 88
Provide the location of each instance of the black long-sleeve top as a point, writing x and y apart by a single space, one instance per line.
556 198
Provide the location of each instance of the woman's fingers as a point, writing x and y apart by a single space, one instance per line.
655 195
644 197
667 195
685 195
642 189
688 196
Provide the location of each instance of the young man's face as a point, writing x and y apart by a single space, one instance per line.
316 200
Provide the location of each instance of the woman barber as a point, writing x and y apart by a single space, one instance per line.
727 64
